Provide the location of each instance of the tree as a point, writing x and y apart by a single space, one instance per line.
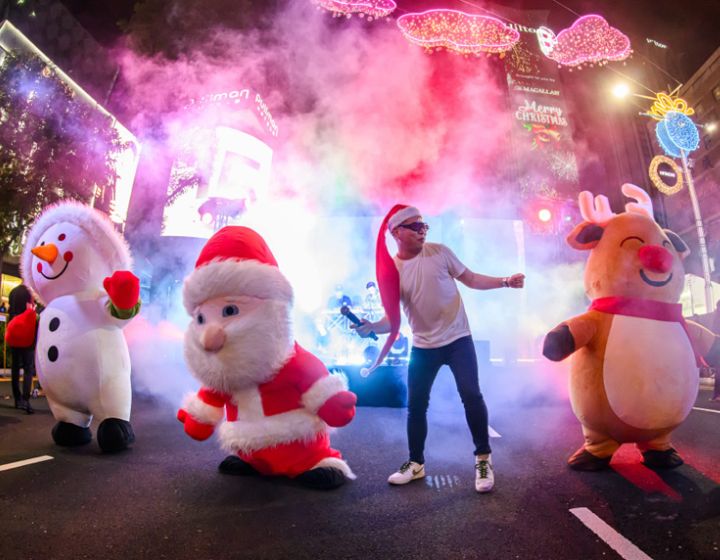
53 145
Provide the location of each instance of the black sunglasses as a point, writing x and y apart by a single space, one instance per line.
417 227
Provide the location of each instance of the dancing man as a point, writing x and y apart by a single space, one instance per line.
422 276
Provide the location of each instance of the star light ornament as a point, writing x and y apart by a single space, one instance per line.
373 9
590 40
458 32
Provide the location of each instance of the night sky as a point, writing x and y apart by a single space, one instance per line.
690 28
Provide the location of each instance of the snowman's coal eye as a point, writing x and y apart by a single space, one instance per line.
230 310
61 237
200 318
41 244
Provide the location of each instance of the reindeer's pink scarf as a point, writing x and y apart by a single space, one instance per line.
647 309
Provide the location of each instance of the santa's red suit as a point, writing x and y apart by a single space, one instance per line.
279 425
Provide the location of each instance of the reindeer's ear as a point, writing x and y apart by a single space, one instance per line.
680 246
584 236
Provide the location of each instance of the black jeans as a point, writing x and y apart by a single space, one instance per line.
422 370
25 358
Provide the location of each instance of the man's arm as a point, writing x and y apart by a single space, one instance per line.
482 282
381 326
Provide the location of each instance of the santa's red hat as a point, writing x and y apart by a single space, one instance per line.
388 276
235 261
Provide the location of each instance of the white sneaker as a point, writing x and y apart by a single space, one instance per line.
484 475
408 472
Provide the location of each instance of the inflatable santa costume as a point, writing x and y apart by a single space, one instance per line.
277 399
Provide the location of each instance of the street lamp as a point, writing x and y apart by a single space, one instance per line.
677 135
621 90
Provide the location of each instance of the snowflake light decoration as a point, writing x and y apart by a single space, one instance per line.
663 138
458 32
682 131
564 165
590 40
677 132
371 8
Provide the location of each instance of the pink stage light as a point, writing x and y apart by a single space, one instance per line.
589 40
458 32
371 8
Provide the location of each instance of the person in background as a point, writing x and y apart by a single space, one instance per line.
21 300
3 306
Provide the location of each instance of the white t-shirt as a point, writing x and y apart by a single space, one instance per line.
430 297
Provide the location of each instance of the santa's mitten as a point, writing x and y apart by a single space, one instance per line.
20 331
123 288
339 409
193 428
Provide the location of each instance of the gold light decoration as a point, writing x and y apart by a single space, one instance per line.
664 103
657 180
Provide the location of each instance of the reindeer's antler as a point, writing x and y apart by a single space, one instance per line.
595 211
643 204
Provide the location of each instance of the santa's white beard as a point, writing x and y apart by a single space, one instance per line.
256 347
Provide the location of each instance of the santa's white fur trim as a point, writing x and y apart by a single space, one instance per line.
339 464
235 277
322 390
201 411
401 215
101 232
246 436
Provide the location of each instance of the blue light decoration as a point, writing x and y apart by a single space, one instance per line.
664 140
682 131
676 132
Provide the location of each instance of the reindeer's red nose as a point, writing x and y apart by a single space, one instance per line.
655 258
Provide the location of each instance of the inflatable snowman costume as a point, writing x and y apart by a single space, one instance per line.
78 266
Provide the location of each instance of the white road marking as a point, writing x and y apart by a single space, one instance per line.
16 464
614 540
706 409
492 432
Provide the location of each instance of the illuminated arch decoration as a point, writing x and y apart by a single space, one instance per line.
664 103
346 8
657 180
458 32
590 40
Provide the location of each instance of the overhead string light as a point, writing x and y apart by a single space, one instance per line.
458 32
373 9
590 40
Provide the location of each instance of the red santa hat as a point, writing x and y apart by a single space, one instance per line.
388 277
236 260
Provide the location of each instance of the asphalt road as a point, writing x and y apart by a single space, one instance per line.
165 499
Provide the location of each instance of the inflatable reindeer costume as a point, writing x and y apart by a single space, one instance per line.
634 373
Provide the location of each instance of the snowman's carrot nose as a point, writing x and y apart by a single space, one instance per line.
48 252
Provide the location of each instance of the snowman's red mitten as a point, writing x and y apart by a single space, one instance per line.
20 331
193 428
123 288
339 409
